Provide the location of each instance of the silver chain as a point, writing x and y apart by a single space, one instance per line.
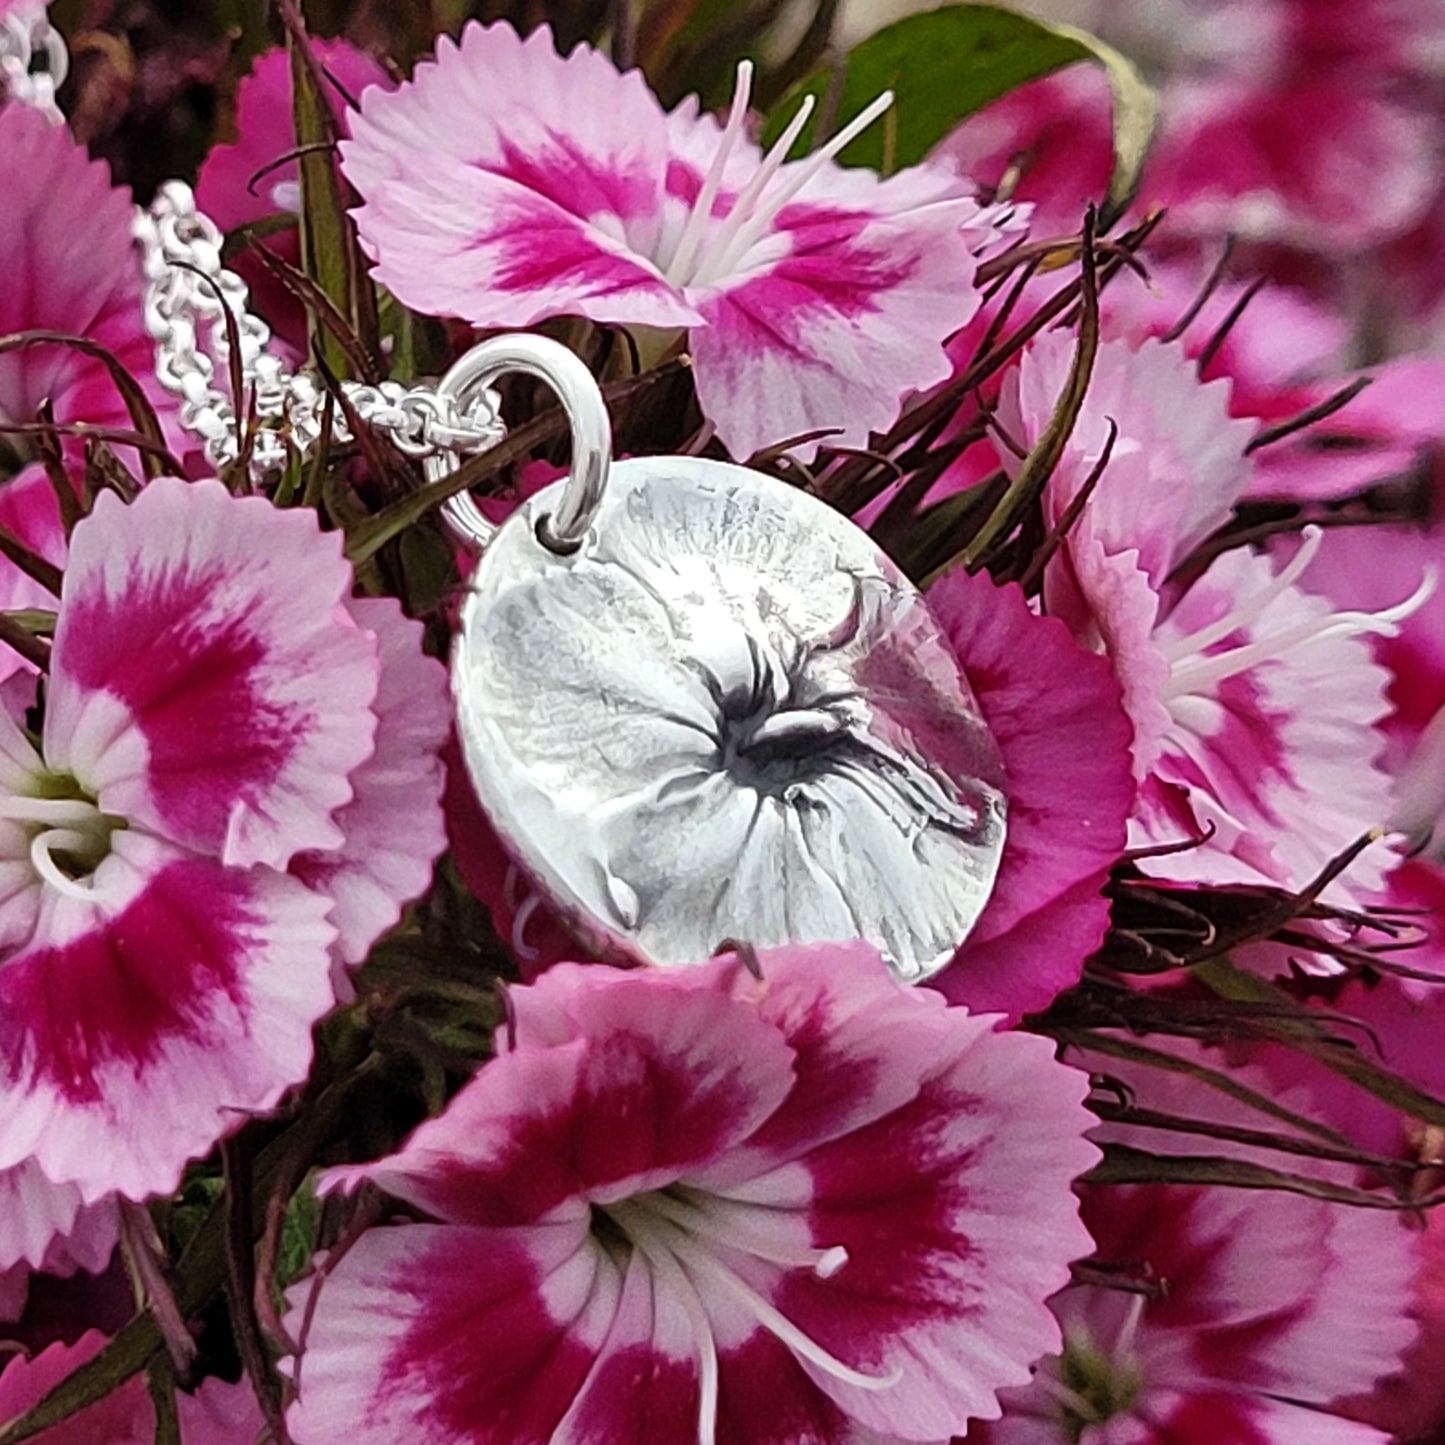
26 36
189 295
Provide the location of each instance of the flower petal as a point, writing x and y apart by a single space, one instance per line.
506 183
230 188
44 1224
136 1029
70 264
929 1202
452 240
679 1075
1177 466
1280 760
207 681
452 1335
1054 711
123 1417
644 1384
393 825
840 313
857 1034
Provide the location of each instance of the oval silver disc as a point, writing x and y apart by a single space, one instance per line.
726 716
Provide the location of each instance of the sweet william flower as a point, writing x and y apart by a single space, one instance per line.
188 845
1255 704
1242 1317
699 1206
505 184
1246 1342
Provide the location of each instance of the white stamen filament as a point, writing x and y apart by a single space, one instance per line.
662 1226
711 262
66 840
54 811
520 919
756 224
695 263
1129 1331
728 1222
1251 606
72 826
679 269
683 1289
1192 671
1071 1400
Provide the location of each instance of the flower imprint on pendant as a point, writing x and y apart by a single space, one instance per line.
714 710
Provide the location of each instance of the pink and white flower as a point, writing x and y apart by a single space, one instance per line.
1244 1341
211 715
505 184
1216 1333
1255 704
698 1206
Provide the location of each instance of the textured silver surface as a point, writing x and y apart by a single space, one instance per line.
726 716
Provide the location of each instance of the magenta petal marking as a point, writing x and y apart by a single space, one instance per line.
453 1336
831 322
643 1385
121 993
768 1399
133 1031
458 225
207 682
682 1078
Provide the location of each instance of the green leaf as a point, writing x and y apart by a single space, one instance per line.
945 64
298 1235
1124 1165
1136 116
328 254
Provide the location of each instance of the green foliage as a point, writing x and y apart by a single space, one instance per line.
944 65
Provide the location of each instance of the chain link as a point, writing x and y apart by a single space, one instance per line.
188 295
28 37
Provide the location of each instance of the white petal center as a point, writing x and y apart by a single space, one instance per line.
683 1233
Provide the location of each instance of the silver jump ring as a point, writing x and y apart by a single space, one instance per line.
581 399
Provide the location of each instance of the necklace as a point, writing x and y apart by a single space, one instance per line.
698 705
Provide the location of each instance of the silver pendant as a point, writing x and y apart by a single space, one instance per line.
699 705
